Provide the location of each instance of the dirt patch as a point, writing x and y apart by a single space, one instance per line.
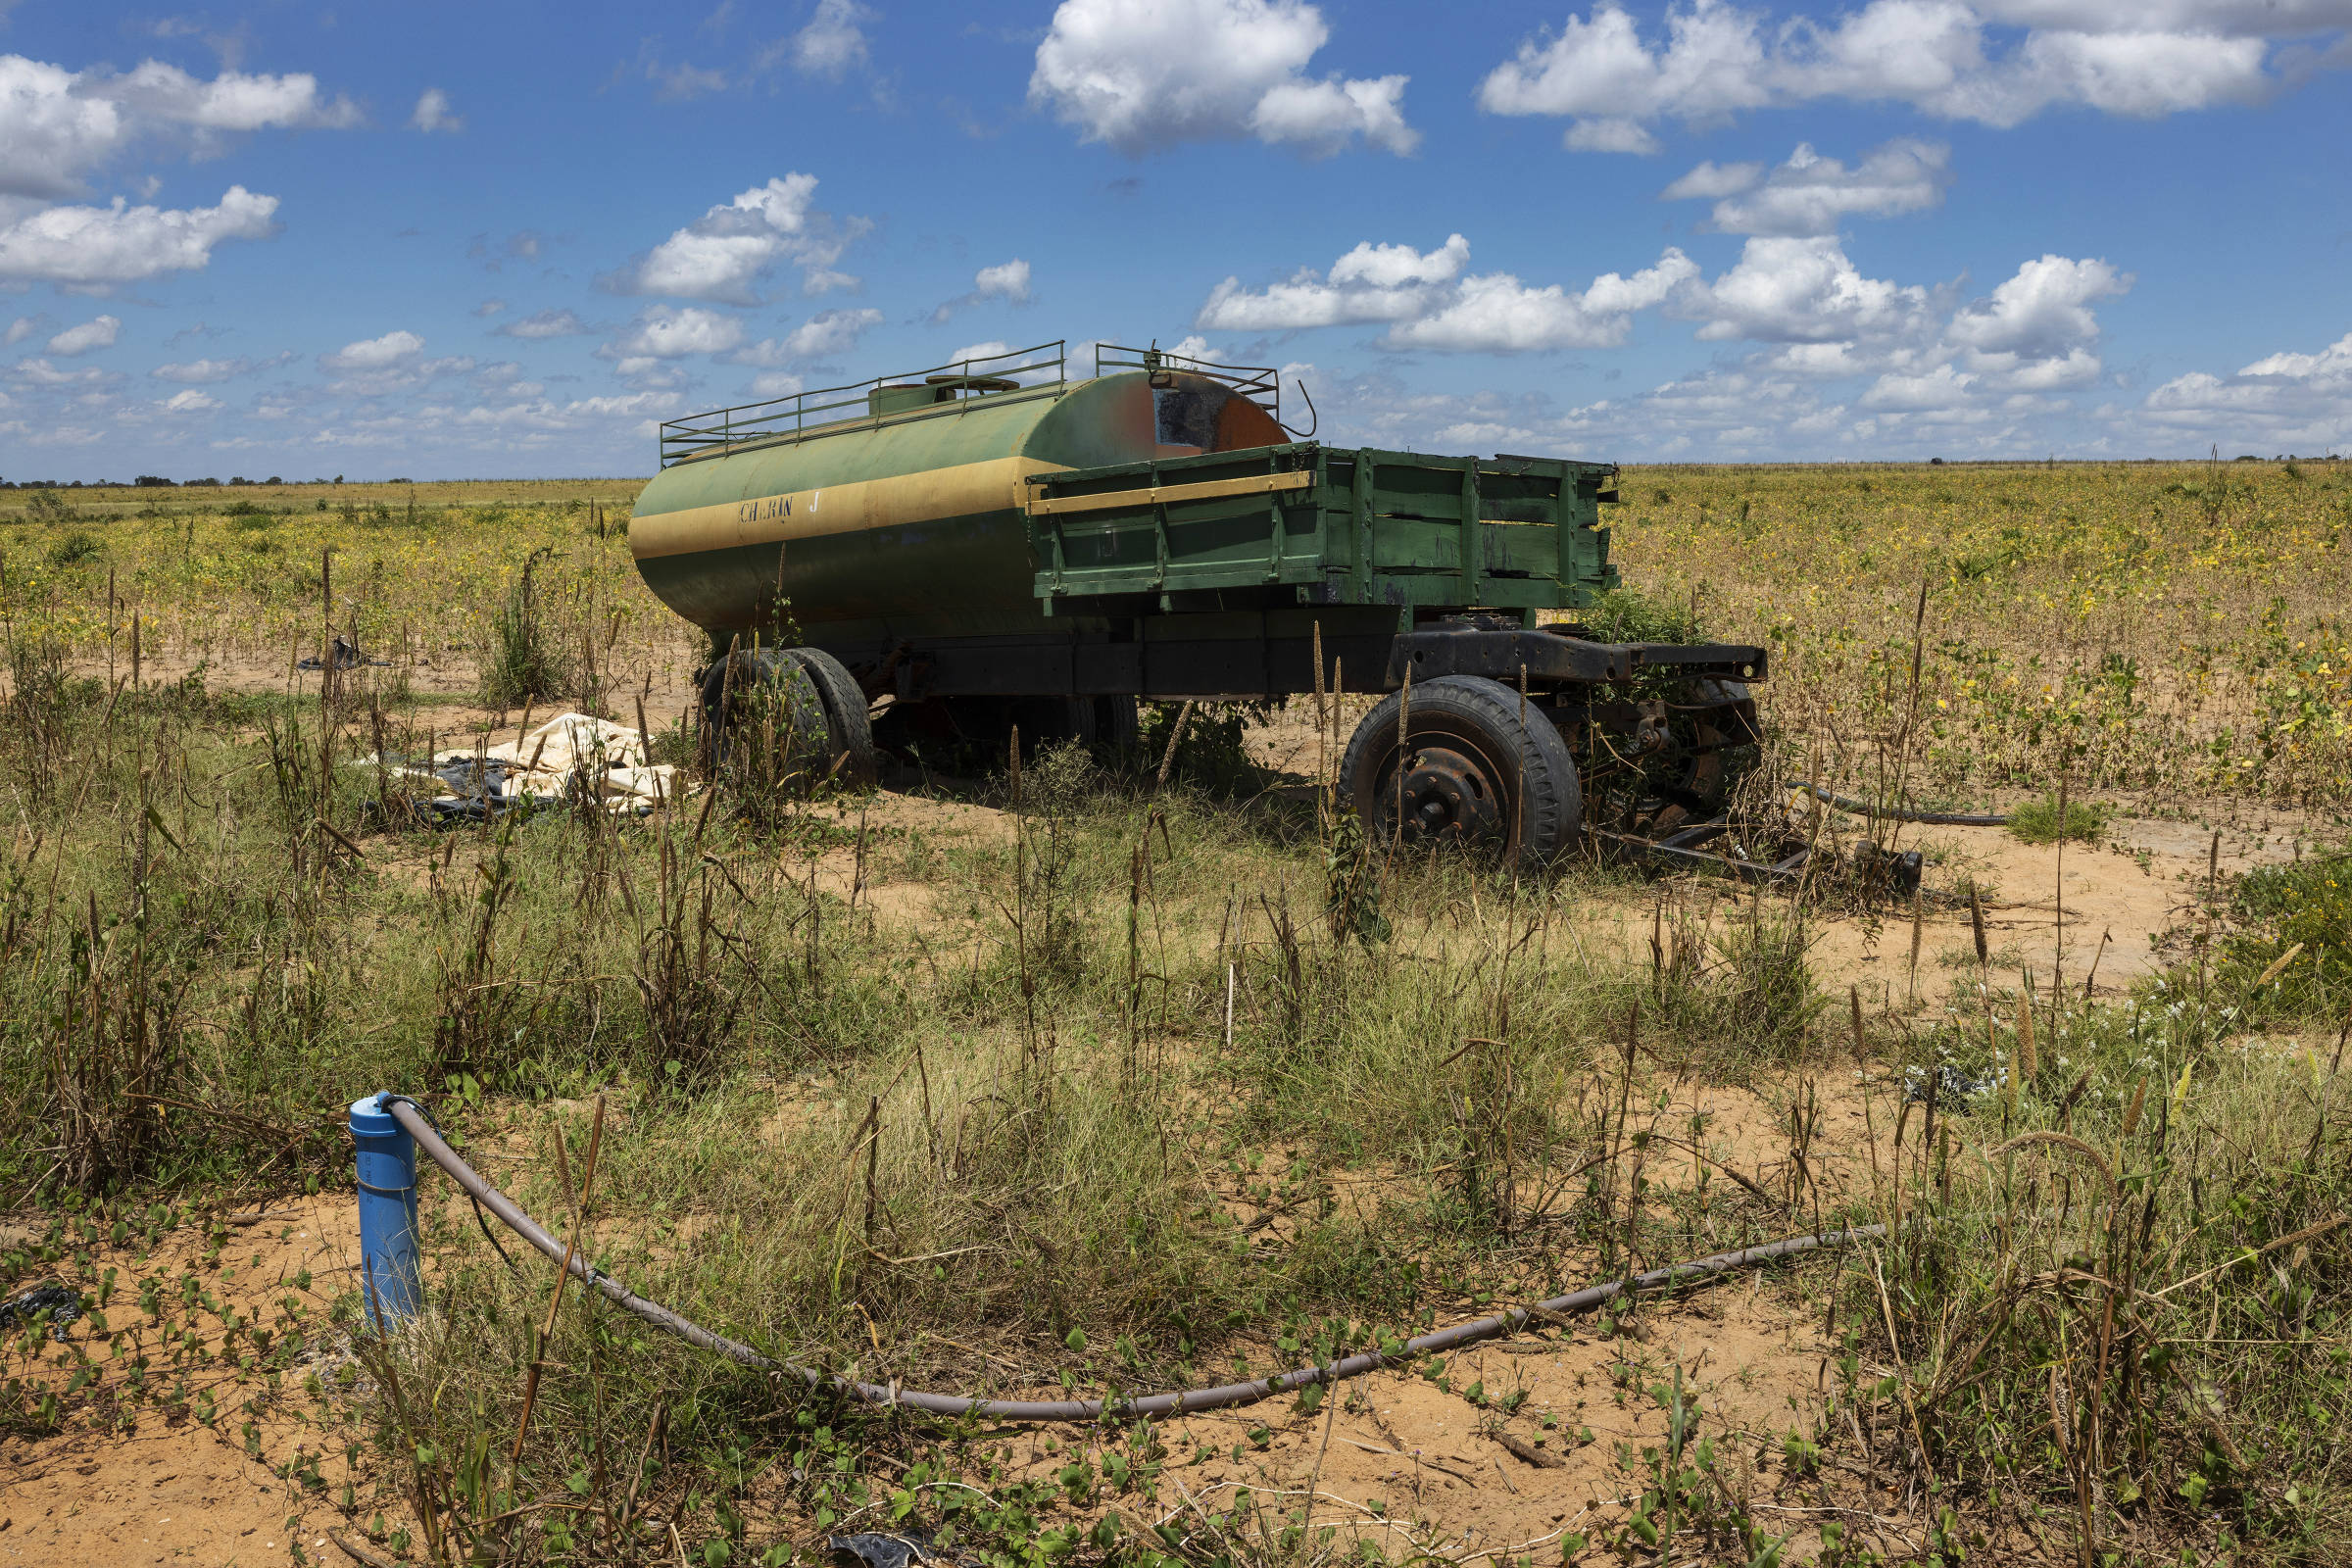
1502 1448
2101 918
247 1466
163 1494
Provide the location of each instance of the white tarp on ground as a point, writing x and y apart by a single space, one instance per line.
570 755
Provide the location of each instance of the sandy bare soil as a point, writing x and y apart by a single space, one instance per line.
179 1491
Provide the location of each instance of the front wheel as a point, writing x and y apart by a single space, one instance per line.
1466 761
1714 727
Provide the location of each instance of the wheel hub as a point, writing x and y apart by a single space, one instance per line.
1445 792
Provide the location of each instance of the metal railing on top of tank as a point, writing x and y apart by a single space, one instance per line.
1261 384
801 412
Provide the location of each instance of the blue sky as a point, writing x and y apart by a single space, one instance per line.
442 241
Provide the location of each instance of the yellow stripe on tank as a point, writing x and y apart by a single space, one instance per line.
961 491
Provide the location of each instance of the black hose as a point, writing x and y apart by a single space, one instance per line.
1860 808
1176 1402
488 1234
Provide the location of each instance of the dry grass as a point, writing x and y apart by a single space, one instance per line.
420 575
995 1128
2147 628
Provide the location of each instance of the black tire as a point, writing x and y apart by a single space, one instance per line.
1052 720
849 730
1475 774
766 687
1718 740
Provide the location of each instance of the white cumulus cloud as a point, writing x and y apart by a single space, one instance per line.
99 333
1430 302
58 126
1323 117
731 247
1819 318
833 40
1599 70
2257 17
1145 74
2291 400
1951 58
1802 289
1496 314
1711 180
190 401
1392 266
1370 283
432 113
99 247
1810 194
1942 388
40 372
663 334
2332 365
1008 280
232 101
826 335
50 134
1610 133
2042 311
2033 336
374 353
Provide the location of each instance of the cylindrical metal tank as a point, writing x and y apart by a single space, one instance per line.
906 523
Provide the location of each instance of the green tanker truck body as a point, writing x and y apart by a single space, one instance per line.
997 544
989 532
904 522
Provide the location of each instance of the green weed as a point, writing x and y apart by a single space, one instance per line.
2291 956
75 547
2040 822
525 661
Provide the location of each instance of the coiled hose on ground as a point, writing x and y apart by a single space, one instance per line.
1174 1402
1892 813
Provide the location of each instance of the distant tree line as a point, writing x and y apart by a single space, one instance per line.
155 481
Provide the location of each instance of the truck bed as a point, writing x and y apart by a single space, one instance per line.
1308 525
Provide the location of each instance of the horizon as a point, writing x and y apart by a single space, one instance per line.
208 482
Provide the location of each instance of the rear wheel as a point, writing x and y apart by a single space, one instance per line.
765 721
1464 771
850 732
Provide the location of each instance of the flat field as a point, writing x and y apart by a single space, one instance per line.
2145 629
1064 1085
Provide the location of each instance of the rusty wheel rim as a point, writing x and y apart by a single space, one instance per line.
1446 790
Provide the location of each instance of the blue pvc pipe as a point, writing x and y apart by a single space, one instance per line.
388 1280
